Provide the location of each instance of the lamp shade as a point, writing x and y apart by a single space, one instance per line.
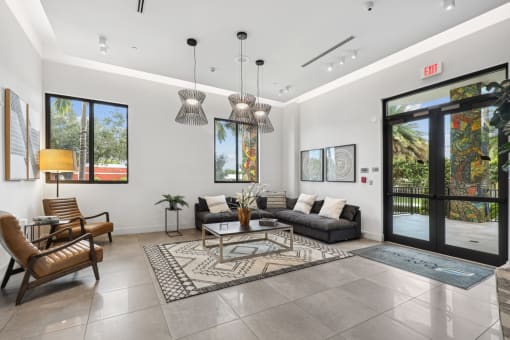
57 160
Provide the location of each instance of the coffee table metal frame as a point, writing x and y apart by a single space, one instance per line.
246 230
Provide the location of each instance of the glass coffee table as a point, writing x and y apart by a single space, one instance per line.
221 230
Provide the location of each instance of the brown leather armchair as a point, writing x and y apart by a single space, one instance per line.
45 265
67 209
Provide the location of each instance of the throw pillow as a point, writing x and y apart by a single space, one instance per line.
202 204
291 202
232 202
332 207
262 202
276 200
349 212
316 208
305 203
217 204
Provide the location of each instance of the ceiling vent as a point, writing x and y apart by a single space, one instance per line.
328 51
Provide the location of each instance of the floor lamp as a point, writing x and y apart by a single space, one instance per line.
57 161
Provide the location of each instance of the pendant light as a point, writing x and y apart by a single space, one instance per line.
261 110
242 103
191 112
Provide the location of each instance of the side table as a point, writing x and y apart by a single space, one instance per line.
30 235
172 232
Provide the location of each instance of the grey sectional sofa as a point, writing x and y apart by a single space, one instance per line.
329 230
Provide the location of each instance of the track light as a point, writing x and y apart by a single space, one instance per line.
354 55
103 45
448 5
342 60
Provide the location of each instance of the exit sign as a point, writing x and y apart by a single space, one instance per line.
431 70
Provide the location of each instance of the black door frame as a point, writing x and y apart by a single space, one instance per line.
436 195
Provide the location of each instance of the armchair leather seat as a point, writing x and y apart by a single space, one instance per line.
67 209
66 258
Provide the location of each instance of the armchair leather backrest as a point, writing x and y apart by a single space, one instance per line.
14 241
64 208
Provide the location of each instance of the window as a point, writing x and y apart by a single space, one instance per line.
235 152
96 131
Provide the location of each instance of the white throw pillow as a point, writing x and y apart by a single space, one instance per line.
253 205
217 204
305 203
332 207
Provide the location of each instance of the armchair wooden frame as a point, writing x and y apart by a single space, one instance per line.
29 270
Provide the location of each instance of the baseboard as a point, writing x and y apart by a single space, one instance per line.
373 236
147 229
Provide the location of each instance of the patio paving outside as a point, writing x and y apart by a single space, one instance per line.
471 235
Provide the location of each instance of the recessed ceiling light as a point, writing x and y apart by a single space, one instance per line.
342 60
354 55
448 4
103 45
330 67
134 48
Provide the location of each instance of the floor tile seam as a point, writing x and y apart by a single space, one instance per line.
199 331
122 314
488 329
116 289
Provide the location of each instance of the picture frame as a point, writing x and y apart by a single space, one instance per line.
16 141
341 163
312 165
33 143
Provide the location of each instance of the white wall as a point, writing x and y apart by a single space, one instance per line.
21 71
353 113
164 157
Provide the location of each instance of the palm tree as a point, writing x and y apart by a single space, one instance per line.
408 142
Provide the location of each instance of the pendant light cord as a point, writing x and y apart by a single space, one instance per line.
195 67
258 91
242 61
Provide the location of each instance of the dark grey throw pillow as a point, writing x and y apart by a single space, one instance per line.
291 202
262 202
348 212
202 204
317 205
232 202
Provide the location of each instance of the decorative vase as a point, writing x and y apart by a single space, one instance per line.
244 215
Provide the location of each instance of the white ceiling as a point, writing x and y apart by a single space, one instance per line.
286 33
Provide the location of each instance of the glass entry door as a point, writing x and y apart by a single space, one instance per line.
445 190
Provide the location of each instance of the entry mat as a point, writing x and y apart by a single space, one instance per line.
445 269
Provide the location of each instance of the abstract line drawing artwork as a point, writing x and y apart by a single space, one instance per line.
312 165
15 137
34 143
341 163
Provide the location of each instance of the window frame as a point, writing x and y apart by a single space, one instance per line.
237 151
91 103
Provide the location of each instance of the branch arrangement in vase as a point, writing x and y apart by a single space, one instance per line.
173 201
249 195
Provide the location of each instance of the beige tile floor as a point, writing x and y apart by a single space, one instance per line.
348 299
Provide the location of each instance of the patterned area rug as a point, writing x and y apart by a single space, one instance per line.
186 269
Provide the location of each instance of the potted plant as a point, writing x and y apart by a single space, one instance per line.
501 118
173 201
245 200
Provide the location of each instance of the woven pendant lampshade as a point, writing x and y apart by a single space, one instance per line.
191 112
261 110
242 103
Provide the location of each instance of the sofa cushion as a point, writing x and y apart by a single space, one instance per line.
327 224
291 216
276 199
208 217
262 202
305 203
217 204
317 205
258 214
202 204
349 212
291 202
332 207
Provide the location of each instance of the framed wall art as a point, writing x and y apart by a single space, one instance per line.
34 143
312 165
16 140
341 163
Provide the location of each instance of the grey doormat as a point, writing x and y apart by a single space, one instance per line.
186 269
445 269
